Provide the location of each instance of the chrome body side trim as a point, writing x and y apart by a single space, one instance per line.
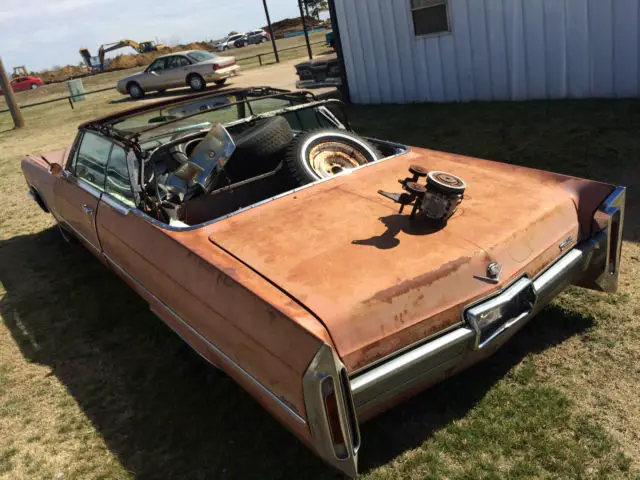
210 345
114 203
87 187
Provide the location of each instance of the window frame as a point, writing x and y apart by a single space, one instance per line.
176 59
70 167
73 158
184 58
160 59
134 200
449 31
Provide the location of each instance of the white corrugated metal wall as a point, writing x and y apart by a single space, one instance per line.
497 50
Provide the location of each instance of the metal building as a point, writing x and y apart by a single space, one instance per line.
402 51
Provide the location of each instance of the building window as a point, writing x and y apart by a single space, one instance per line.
430 16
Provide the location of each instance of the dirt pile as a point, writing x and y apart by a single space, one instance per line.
193 46
135 60
62 74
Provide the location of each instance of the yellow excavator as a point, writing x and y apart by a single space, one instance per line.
20 71
142 47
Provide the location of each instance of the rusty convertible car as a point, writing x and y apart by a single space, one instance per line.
330 275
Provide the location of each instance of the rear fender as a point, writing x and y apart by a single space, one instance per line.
604 267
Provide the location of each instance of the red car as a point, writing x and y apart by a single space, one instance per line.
25 83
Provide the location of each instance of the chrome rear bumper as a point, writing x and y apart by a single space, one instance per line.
490 323
434 359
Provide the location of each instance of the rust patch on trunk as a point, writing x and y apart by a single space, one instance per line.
423 280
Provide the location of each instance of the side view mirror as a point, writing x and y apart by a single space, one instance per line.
55 169
153 72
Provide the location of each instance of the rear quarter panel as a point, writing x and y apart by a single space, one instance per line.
254 324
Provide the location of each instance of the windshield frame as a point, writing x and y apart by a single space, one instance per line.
246 96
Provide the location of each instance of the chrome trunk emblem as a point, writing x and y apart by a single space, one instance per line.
494 272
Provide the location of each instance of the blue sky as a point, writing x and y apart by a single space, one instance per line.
43 33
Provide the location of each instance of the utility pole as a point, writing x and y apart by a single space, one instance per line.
10 98
273 38
304 28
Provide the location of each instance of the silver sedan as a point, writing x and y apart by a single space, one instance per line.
191 68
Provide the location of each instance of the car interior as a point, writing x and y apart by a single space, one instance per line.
195 170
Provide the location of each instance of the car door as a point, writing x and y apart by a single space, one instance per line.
178 67
154 77
78 189
134 246
19 84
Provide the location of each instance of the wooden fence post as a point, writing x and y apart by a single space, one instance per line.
10 98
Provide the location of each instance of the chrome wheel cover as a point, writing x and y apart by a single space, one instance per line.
328 159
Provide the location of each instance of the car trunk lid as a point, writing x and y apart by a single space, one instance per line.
222 62
381 282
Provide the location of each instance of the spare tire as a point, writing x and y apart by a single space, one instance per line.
325 153
265 138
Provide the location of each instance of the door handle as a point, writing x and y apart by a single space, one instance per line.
87 209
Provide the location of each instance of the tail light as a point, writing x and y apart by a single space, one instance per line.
216 67
333 417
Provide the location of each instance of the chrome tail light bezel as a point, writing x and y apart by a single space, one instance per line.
327 369
609 218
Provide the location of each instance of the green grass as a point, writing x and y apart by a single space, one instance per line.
92 385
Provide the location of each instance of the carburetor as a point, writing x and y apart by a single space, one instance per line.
436 200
